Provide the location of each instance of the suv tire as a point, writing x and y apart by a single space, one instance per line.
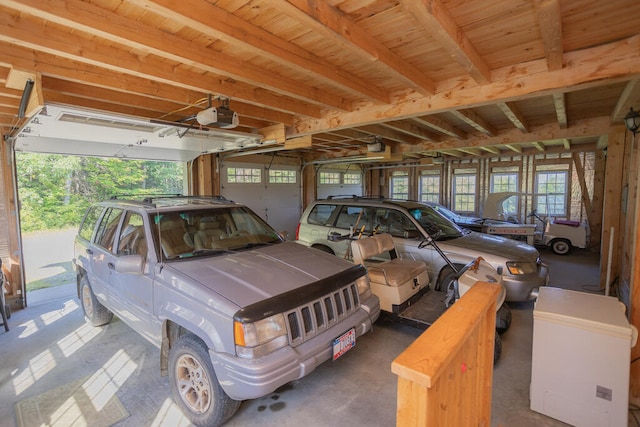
194 384
95 313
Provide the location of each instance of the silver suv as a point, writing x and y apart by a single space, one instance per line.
235 310
411 223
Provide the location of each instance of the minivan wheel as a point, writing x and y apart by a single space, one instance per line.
561 246
95 313
194 385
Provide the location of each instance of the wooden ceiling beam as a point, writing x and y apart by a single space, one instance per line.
115 78
566 143
514 147
514 115
226 26
410 129
492 150
630 97
333 24
438 22
539 146
440 126
162 106
110 26
387 133
513 138
475 121
587 68
470 150
550 22
561 109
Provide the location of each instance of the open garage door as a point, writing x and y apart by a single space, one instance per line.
66 130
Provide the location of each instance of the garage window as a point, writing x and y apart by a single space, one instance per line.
554 185
464 193
352 178
244 175
329 177
506 182
400 186
430 188
282 176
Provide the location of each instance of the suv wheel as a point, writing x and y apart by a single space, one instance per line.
95 313
194 384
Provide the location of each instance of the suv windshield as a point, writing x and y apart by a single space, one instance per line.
189 232
434 223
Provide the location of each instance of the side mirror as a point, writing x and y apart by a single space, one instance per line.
129 264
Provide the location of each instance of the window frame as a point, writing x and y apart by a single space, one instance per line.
393 179
458 194
542 202
243 178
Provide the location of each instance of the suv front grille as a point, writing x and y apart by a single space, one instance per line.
318 315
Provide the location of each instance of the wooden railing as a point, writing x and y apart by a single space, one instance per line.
445 376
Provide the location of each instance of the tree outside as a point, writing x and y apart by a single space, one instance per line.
55 191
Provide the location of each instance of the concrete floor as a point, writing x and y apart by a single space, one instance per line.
49 346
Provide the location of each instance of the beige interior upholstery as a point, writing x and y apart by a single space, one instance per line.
172 232
208 232
393 272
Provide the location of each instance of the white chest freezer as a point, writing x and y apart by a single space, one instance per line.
581 358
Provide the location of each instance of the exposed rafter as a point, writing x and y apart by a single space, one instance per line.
436 19
550 21
513 114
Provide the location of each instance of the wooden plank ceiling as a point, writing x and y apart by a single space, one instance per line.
446 78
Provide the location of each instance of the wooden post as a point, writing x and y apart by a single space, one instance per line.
612 200
445 376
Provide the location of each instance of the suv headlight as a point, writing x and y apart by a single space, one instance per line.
364 287
519 267
257 339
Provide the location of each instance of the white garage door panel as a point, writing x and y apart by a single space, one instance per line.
325 190
278 204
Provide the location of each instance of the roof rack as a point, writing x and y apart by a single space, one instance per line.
145 196
356 197
150 199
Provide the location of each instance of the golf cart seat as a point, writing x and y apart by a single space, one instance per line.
394 280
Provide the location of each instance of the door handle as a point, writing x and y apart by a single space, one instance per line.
111 266
89 251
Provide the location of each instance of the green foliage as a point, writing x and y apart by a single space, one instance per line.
55 190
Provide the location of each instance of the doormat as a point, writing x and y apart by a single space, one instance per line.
68 405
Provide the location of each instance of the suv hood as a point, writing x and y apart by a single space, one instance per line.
490 245
248 277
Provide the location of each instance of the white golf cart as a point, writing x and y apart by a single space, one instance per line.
560 235
402 284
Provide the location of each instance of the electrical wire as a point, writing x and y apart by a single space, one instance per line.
198 102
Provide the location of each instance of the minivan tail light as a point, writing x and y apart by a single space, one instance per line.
298 232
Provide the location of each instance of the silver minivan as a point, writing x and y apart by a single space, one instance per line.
411 224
